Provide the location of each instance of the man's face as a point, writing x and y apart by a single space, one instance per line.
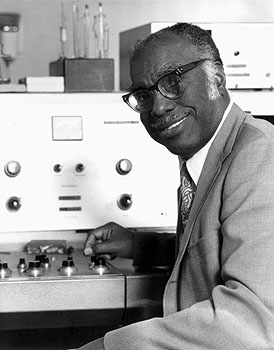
186 124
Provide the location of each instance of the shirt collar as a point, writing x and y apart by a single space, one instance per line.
196 162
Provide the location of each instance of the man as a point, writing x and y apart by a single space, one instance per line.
221 292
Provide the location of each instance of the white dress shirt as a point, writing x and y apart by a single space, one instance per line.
195 163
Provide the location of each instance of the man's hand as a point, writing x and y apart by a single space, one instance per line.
110 240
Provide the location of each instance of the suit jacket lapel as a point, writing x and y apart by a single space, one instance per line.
219 150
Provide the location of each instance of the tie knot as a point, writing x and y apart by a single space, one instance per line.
186 179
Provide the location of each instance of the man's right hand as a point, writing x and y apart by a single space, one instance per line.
109 240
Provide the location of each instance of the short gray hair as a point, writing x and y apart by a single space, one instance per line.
197 36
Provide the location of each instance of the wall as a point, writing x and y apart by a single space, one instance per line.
41 19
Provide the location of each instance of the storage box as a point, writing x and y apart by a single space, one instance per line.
85 74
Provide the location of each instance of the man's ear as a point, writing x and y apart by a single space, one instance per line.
220 79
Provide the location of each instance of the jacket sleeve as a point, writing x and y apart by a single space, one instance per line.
153 249
239 313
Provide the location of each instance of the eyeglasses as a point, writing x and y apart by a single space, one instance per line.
169 85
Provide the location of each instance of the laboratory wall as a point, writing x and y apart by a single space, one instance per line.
40 22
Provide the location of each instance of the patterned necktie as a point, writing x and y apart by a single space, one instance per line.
186 195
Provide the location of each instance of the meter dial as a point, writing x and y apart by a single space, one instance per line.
123 166
12 168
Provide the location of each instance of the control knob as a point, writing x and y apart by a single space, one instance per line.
13 203
123 166
124 202
57 168
45 263
79 168
22 265
12 168
98 266
44 260
68 268
5 271
34 269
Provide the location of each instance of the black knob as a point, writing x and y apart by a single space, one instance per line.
57 168
97 260
79 168
65 263
4 270
34 264
71 263
3 265
22 264
13 203
124 201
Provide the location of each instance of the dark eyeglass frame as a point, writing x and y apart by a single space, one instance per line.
178 71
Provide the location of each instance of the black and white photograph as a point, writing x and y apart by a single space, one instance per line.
136 175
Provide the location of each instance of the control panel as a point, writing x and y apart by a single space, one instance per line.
76 161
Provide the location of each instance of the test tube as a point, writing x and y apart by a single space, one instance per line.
75 18
101 31
87 32
63 31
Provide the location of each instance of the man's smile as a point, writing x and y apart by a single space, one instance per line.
172 126
168 126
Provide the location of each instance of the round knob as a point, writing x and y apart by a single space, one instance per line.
57 168
34 269
124 201
67 268
45 263
34 264
98 266
5 271
12 168
3 265
67 263
22 264
13 203
123 166
79 168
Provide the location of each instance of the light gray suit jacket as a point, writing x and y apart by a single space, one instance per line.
221 292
